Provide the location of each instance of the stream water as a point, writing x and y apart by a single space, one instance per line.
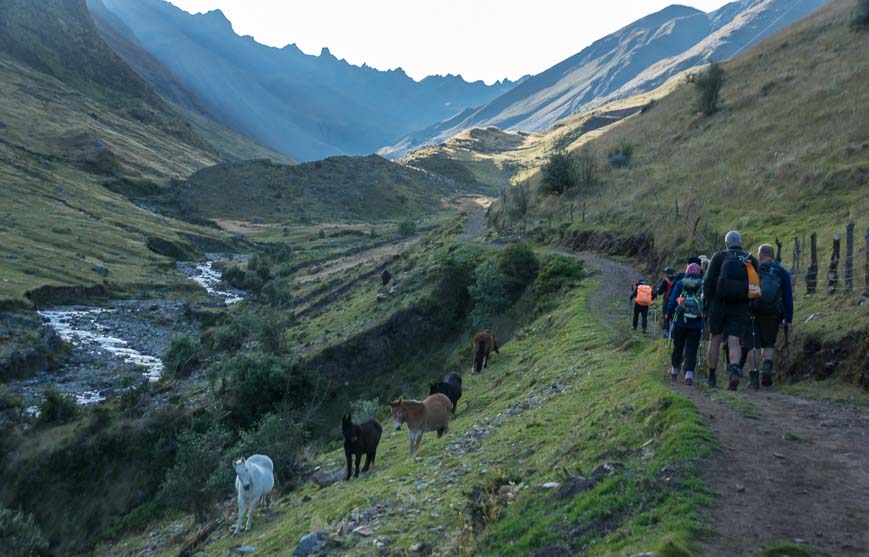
120 344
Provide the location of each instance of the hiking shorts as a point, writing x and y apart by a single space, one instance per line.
728 321
765 330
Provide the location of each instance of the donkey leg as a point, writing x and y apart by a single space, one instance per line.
358 459
367 462
253 502
349 465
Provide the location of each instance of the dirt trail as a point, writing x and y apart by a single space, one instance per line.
787 469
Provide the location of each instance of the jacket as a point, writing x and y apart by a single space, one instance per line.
674 303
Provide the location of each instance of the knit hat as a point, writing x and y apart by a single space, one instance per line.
693 269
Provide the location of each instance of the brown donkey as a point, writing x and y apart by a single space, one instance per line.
484 344
431 414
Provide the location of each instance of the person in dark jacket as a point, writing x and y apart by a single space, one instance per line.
725 292
664 288
774 309
642 301
685 312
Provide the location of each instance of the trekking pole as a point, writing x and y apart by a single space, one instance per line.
755 372
655 323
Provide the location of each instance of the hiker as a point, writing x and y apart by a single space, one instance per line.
773 310
685 312
664 288
642 297
731 274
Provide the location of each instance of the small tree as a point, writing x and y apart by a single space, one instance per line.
519 266
194 483
20 536
407 228
271 332
708 83
587 176
57 408
488 293
559 173
281 436
519 203
182 356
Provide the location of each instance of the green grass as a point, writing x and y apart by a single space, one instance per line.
614 409
785 549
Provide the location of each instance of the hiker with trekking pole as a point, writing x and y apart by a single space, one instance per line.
730 284
773 310
664 288
685 315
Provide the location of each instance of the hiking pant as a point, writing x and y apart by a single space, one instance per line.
685 340
644 311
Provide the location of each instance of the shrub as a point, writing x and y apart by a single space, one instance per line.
559 173
194 483
20 536
271 332
407 228
281 437
182 356
451 292
364 409
557 272
860 16
57 408
259 266
232 334
278 293
488 293
708 83
621 156
234 276
519 266
254 383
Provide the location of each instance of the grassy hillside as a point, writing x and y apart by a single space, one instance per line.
556 405
354 189
786 155
78 131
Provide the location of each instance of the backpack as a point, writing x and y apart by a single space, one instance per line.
732 286
754 292
770 300
644 295
690 306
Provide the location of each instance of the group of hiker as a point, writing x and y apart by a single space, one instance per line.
739 300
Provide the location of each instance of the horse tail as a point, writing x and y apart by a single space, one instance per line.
479 355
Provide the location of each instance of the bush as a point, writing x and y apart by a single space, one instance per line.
407 228
254 383
451 292
556 273
278 293
195 482
57 408
860 16
559 173
232 334
519 266
20 536
621 156
259 266
271 332
281 437
708 83
182 356
364 409
488 294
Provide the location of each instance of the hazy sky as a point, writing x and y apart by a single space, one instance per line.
480 39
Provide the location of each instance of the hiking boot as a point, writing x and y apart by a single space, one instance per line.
755 380
735 374
689 378
711 380
674 374
766 376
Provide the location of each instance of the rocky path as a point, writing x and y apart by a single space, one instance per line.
787 469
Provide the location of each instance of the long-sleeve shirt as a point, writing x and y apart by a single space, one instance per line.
674 303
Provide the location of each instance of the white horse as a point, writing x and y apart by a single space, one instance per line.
255 478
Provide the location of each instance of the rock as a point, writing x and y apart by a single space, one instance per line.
363 531
101 271
313 542
306 498
551 485
646 554
778 455
325 478
740 488
245 550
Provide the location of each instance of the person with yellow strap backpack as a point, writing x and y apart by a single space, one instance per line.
642 296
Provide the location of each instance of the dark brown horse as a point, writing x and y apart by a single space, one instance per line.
450 386
359 439
484 344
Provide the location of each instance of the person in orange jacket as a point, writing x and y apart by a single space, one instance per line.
642 297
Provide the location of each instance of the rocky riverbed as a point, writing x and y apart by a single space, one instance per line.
120 344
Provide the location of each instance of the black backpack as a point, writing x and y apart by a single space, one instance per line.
691 306
770 301
732 284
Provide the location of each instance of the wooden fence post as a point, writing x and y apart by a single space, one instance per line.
812 273
866 273
795 266
833 271
849 257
